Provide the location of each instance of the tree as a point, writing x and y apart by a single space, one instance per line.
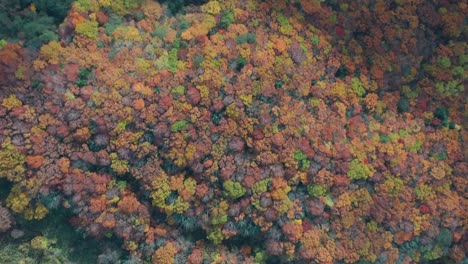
165 254
234 189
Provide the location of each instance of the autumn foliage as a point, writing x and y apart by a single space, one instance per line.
246 131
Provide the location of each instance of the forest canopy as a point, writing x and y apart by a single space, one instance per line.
228 131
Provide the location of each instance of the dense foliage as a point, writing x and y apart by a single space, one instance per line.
244 131
32 21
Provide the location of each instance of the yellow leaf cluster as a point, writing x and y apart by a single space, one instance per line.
11 102
127 33
152 10
280 188
165 254
51 52
11 162
17 200
201 25
143 89
212 7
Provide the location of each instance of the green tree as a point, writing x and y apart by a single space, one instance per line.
234 189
